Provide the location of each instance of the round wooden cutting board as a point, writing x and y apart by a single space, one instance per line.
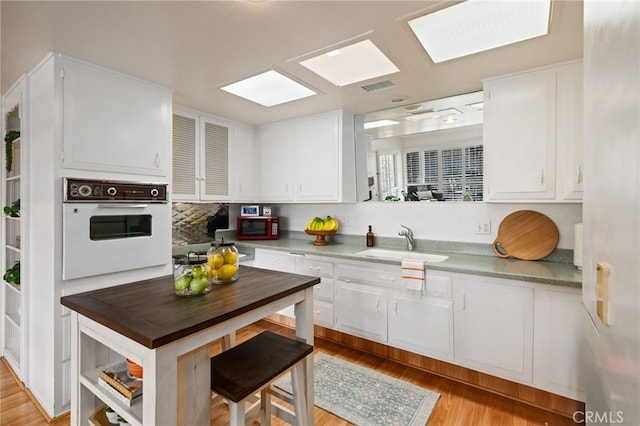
526 235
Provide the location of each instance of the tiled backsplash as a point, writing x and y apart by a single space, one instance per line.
189 221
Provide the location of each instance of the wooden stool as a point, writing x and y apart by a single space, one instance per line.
252 366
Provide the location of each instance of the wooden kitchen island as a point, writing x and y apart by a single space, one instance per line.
171 338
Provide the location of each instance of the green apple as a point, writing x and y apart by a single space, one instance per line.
199 271
198 285
182 282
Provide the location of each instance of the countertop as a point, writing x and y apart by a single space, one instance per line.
150 312
539 271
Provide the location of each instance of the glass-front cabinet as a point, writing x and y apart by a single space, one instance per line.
13 236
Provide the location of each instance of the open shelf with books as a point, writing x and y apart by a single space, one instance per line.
93 380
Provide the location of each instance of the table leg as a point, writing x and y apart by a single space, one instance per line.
304 332
194 387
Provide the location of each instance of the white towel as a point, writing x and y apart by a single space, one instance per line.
413 273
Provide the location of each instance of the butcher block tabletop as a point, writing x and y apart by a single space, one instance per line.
150 313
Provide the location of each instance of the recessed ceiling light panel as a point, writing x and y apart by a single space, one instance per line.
351 64
380 123
269 88
478 25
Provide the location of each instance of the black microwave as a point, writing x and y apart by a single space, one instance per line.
258 227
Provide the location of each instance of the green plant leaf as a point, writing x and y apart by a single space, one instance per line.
9 138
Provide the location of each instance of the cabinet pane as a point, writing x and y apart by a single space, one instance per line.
184 155
216 159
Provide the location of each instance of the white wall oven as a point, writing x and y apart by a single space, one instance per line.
113 226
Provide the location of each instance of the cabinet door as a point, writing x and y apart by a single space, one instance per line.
558 326
185 178
114 123
316 158
569 134
323 313
422 324
361 310
214 159
244 164
275 159
519 136
494 327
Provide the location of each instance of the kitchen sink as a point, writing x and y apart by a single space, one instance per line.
401 254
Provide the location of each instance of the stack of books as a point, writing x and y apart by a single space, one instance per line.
117 380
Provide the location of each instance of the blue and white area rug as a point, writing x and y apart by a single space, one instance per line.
364 397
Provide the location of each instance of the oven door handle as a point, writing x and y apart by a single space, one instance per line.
125 206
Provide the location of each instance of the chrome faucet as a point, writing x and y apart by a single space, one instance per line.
408 233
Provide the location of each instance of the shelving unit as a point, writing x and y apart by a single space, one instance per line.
105 357
13 299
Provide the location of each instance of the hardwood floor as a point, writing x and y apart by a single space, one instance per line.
459 404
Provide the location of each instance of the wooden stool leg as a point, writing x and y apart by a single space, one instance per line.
299 394
236 413
228 341
265 407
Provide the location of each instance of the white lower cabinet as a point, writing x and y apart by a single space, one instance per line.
323 292
305 265
516 330
494 327
275 260
361 310
558 314
361 298
423 324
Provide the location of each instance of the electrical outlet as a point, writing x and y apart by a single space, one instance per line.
483 227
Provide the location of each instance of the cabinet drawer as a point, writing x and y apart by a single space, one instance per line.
383 276
276 261
438 286
316 268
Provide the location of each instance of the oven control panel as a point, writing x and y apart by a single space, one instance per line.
78 190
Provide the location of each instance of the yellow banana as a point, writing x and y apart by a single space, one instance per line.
317 224
310 224
331 224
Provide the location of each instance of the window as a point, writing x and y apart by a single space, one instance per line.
474 171
390 178
453 172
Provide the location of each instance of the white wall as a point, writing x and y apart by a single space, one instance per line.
430 221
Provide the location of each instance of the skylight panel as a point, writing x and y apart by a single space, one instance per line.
269 88
351 64
478 25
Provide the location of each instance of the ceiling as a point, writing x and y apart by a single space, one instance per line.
197 47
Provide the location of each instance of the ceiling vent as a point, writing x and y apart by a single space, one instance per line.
376 87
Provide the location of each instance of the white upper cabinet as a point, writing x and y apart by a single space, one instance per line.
310 159
532 135
201 157
569 132
275 162
114 123
316 158
244 169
